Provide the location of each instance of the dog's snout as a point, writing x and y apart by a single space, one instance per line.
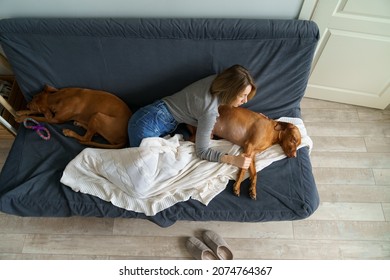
294 154
291 153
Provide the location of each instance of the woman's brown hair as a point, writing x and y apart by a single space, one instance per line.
229 83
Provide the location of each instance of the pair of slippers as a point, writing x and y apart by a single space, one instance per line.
213 248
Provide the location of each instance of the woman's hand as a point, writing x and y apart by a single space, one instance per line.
240 161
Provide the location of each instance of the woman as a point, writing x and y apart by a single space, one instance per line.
196 105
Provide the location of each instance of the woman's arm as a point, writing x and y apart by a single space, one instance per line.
202 145
203 136
240 161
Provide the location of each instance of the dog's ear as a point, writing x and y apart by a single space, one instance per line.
49 89
293 139
280 126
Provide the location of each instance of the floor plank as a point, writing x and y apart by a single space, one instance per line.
72 225
137 246
349 176
347 211
342 230
311 249
354 193
190 228
332 144
377 144
350 160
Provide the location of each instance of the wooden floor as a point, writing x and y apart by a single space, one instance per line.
351 162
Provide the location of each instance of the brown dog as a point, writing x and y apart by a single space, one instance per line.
254 132
99 112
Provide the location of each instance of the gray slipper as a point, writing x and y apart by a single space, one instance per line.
218 245
199 250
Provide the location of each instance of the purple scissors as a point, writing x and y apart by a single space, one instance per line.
42 131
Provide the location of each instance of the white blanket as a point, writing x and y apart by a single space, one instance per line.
161 172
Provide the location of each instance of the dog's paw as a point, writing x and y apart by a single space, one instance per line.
22 113
68 132
252 192
20 119
236 190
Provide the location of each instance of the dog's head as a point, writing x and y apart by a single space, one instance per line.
289 138
39 103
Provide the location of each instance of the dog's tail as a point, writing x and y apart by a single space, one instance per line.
103 146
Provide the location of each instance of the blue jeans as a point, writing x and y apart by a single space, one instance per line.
153 120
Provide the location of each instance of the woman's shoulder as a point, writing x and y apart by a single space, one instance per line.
203 82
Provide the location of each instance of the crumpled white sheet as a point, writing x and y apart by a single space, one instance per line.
161 172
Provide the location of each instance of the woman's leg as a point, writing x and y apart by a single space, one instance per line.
153 120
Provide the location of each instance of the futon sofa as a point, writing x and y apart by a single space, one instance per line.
141 60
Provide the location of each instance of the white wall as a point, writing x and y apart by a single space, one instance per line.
285 9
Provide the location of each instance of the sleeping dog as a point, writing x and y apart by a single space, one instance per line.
254 132
98 112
